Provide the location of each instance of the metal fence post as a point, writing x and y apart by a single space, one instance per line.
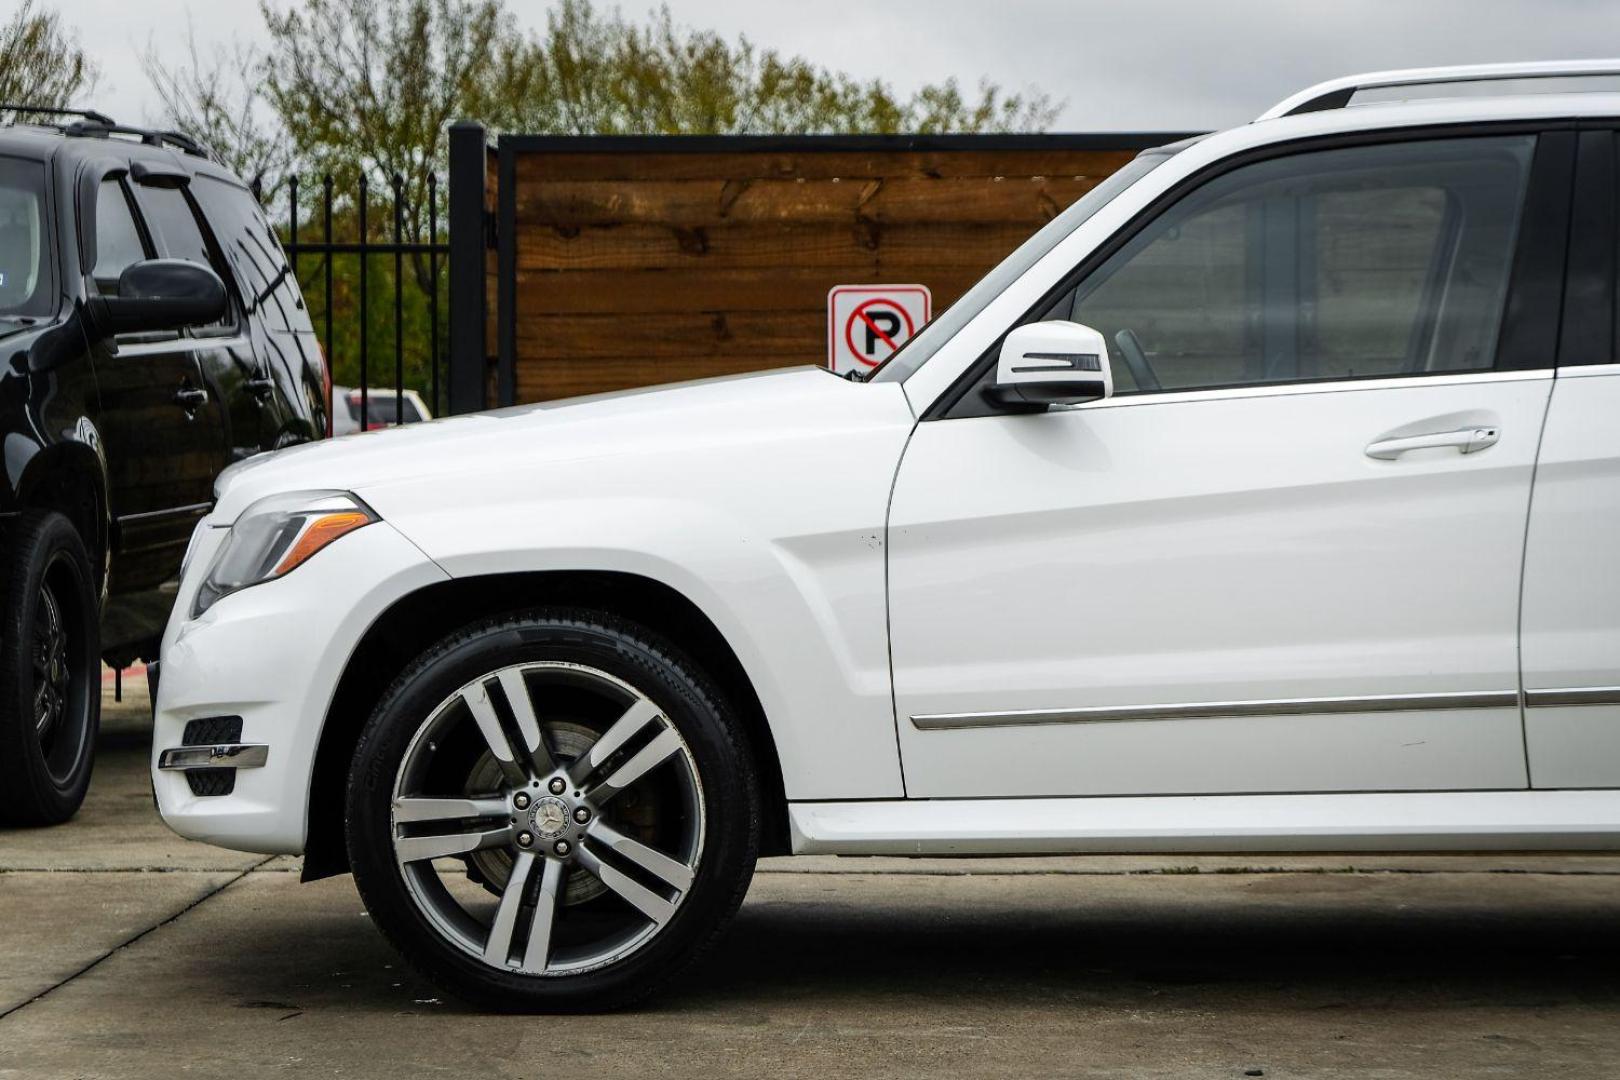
468 303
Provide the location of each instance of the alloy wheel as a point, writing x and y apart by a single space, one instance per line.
62 675
547 818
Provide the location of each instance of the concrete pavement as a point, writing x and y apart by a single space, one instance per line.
127 952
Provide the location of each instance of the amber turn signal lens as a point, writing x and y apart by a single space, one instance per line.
317 534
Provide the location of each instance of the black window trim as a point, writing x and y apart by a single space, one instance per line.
1589 331
1535 284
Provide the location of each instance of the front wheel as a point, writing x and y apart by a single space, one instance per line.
50 686
552 811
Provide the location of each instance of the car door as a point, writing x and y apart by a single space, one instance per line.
231 369
291 374
1571 621
1285 557
161 429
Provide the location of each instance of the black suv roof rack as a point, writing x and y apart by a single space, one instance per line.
95 125
49 110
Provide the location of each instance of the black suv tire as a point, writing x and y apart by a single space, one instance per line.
50 686
686 710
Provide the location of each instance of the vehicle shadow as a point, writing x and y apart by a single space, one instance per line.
1303 939
853 943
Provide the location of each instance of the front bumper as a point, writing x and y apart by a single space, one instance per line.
272 655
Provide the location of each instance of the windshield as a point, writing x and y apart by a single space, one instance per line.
914 353
24 270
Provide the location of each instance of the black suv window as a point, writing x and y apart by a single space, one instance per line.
25 287
179 234
118 238
251 248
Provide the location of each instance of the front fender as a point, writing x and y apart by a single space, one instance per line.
783 554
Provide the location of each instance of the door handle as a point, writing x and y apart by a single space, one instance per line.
1463 440
260 387
190 398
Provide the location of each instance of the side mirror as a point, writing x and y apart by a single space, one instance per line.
160 294
1050 363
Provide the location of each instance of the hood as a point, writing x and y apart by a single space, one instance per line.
733 409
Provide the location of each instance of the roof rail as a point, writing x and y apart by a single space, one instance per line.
1336 93
49 110
150 136
97 125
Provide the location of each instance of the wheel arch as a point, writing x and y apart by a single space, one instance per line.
415 621
71 479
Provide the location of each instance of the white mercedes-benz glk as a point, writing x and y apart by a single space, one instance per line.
1267 499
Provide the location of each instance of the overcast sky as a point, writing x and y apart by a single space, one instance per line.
1165 65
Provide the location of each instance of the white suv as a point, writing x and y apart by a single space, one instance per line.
1267 499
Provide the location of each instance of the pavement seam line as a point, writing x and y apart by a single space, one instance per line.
93 964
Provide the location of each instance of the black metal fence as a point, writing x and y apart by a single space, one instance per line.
341 282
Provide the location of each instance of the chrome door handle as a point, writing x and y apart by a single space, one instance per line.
1463 440
190 398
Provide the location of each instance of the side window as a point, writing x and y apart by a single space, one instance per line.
251 248
118 239
1360 262
179 235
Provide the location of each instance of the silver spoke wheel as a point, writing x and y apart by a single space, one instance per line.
547 818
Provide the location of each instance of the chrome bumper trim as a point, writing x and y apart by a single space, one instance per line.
219 756
1202 710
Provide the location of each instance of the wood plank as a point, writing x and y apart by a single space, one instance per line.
688 334
631 293
818 164
1030 202
859 249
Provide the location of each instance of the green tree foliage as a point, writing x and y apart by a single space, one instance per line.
600 73
41 62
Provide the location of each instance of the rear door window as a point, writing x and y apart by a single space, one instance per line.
252 250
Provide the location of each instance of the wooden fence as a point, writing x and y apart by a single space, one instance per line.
622 262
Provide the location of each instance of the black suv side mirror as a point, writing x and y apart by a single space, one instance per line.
160 294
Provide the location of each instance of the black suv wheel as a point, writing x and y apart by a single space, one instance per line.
553 811
50 690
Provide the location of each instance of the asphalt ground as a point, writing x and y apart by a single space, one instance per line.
128 952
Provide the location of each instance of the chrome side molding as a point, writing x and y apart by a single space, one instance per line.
1202 710
218 756
1573 695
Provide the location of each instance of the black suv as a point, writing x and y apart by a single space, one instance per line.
151 333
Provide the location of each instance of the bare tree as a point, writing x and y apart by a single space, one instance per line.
367 88
215 96
41 62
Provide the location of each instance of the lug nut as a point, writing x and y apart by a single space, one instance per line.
582 815
521 802
557 785
563 847
525 840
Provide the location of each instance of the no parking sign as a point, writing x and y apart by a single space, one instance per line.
865 323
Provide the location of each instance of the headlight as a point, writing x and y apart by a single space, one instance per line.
275 536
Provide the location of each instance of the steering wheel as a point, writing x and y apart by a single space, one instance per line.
1130 349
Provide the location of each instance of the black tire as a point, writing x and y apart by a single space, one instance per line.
50 687
692 705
